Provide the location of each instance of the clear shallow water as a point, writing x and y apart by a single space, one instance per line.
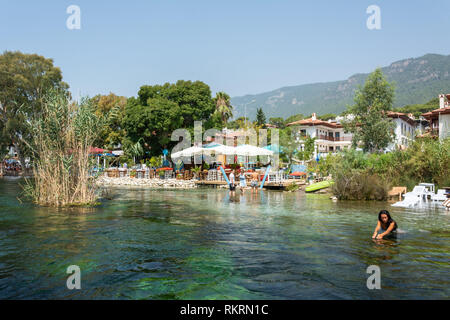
202 244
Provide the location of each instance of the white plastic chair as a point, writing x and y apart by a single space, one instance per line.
440 196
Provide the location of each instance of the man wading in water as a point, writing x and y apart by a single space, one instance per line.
232 183
254 181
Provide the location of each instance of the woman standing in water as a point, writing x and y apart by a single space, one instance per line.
385 226
242 181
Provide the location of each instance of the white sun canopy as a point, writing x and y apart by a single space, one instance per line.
242 150
189 152
251 151
221 149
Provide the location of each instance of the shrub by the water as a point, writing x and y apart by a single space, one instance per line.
292 187
359 185
353 176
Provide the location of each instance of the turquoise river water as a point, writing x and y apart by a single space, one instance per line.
204 244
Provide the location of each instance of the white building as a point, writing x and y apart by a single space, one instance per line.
405 130
330 135
440 118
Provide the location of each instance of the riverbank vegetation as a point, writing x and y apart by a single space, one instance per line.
370 174
62 136
365 176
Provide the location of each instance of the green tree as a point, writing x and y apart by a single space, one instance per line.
135 150
327 116
278 122
223 106
239 123
290 145
260 117
294 118
308 148
25 79
153 123
371 127
419 109
159 110
193 99
112 108
156 162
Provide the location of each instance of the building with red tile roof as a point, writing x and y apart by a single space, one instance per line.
330 135
440 118
405 129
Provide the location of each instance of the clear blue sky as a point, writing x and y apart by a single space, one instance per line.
240 47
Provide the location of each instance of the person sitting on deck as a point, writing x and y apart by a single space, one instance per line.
385 226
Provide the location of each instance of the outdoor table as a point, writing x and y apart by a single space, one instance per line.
212 175
140 174
112 173
168 174
219 175
122 172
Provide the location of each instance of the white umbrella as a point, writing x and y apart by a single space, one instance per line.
187 152
221 149
251 151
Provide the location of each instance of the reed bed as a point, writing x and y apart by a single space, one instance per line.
62 137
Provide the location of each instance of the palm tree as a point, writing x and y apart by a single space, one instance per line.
136 150
223 106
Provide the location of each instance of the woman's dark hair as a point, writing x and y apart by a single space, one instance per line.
390 220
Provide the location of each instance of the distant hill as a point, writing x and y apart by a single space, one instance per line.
417 81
